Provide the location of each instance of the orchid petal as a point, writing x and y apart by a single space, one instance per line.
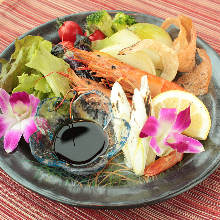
17 118
154 145
34 103
183 120
167 118
166 132
11 139
167 115
150 127
20 102
4 100
184 144
29 128
6 122
19 96
3 126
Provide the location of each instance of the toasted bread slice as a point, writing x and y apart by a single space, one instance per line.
197 81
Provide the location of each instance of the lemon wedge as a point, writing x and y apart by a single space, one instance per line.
200 118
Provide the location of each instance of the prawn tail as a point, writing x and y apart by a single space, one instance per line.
163 163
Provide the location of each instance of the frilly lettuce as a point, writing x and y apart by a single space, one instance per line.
24 50
28 64
34 84
46 63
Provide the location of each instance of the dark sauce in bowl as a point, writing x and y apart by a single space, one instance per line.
80 142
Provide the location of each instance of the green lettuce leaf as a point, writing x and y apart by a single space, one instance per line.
31 60
48 64
26 83
24 50
34 84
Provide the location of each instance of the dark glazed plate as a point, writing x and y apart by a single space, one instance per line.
23 168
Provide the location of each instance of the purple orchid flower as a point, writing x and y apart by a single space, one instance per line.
17 117
166 131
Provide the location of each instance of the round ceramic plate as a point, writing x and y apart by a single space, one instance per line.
62 187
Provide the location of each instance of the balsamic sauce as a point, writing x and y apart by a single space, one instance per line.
80 142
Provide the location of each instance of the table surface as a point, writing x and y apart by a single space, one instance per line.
17 202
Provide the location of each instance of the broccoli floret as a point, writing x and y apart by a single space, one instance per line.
122 21
100 20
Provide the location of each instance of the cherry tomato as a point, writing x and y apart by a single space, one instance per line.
68 31
97 35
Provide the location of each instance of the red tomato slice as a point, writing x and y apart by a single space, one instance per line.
97 35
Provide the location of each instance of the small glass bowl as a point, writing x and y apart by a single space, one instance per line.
92 106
